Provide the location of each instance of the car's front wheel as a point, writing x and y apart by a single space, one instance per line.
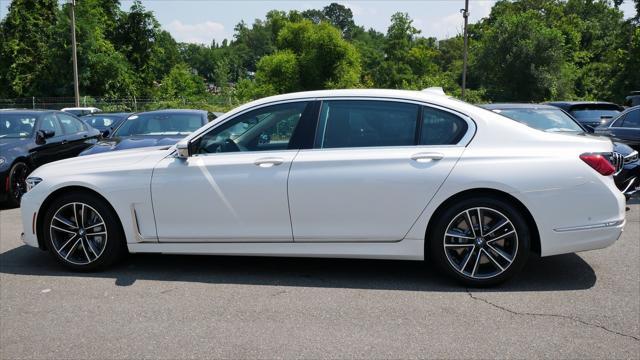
480 241
17 183
82 232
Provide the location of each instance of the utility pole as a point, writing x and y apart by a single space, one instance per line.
76 87
465 15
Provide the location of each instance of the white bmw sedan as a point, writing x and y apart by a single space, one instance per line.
380 174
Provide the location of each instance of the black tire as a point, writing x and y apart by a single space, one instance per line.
17 183
488 249
109 246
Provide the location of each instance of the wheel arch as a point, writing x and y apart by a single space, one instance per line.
57 193
477 192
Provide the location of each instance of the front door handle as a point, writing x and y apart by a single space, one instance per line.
268 162
427 156
64 141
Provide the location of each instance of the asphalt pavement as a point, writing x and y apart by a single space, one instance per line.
584 305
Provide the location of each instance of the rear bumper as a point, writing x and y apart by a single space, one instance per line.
584 238
585 217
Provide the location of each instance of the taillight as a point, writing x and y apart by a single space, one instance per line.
599 163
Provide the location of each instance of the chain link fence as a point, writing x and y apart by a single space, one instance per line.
217 103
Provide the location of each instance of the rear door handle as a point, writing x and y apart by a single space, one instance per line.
427 156
268 162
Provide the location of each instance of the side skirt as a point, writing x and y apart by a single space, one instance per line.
401 250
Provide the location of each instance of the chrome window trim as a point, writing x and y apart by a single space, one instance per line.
464 141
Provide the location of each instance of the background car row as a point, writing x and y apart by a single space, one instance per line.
32 138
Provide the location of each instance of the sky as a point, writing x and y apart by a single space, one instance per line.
200 21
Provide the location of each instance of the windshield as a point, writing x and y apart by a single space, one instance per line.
16 125
594 115
101 122
159 124
550 120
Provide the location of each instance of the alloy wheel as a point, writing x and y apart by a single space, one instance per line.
78 233
18 181
481 243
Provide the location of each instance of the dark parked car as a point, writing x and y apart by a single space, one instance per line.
625 128
590 114
633 99
153 128
30 138
551 119
105 122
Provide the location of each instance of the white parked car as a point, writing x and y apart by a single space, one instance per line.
381 174
81 111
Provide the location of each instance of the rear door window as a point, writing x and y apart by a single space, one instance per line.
366 123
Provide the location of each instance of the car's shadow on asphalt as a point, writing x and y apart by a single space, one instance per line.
563 272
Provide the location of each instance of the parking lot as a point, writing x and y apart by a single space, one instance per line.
154 306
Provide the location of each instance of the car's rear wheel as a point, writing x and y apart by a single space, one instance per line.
480 241
82 232
17 182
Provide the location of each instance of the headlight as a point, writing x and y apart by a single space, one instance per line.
32 182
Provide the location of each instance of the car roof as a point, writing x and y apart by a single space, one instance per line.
172 111
568 105
580 103
108 114
27 111
504 106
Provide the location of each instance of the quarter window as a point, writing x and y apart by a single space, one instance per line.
264 129
441 127
364 123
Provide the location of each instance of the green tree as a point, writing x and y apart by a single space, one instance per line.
520 58
341 17
26 34
180 82
325 59
280 70
135 38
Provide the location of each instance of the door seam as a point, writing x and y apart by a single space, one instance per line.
293 239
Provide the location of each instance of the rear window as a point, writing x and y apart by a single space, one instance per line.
160 124
594 114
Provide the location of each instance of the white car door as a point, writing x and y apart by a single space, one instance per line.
234 185
373 169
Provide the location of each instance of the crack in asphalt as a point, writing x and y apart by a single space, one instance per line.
560 316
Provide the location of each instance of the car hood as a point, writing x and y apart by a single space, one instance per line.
101 163
130 142
12 148
6 143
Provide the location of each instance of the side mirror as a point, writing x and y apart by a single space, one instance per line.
42 135
106 132
183 149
